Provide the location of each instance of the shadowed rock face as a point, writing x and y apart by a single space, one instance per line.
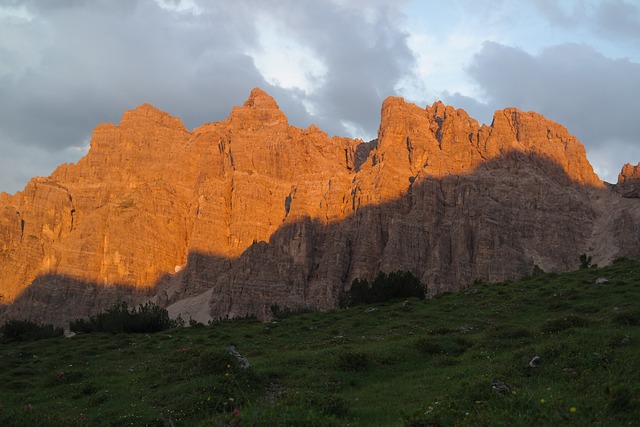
241 214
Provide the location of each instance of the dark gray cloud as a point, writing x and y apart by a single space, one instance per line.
595 97
616 20
68 65
99 61
619 20
567 13
365 54
363 46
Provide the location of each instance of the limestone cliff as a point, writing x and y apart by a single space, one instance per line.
238 215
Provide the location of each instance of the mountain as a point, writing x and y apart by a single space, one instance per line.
250 212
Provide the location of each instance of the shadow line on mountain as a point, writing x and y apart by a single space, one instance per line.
491 224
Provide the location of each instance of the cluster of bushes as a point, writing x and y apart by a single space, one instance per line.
146 318
283 313
398 284
26 330
585 262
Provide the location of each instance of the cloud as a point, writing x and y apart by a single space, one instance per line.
68 65
615 20
101 60
595 97
360 50
618 19
482 112
562 13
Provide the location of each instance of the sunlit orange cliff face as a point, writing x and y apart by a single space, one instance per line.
238 215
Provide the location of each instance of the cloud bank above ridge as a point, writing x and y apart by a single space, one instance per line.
69 65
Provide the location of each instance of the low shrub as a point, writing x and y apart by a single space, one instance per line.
274 415
622 399
585 261
353 361
282 313
25 330
629 317
428 347
324 403
563 323
398 284
442 345
506 332
147 318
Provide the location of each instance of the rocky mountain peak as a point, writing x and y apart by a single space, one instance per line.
260 109
441 139
439 111
148 115
249 212
532 133
629 181
261 99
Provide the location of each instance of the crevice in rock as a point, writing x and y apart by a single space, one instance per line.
233 166
73 211
439 120
363 150
287 205
346 160
229 211
355 199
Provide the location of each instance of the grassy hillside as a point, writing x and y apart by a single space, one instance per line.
459 359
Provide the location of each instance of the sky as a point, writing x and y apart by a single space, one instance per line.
68 65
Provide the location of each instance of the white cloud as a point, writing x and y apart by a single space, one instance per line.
15 14
183 6
285 62
607 159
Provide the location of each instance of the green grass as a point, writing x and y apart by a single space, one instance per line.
412 363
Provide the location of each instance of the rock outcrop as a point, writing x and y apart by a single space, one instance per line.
239 215
629 181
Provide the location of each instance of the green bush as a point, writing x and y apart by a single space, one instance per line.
564 323
428 347
628 317
352 361
324 403
146 318
506 332
622 399
585 261
82 326
442 345
537 271
398 284
282 313
25 330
